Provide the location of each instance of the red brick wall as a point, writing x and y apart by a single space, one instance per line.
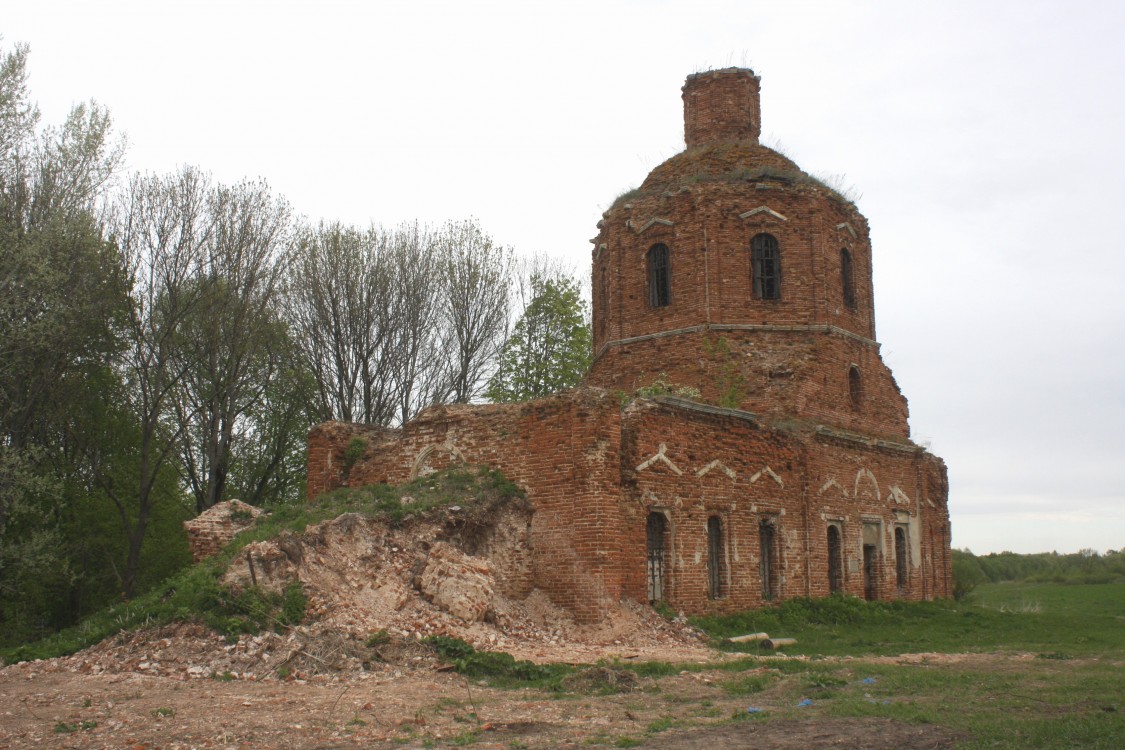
816 484
778 375
721 105
594 471
706 204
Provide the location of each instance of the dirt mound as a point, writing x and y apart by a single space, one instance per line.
375 589
443 574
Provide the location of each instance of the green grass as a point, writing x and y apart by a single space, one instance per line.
1047 618
498 668
1070 694
195 593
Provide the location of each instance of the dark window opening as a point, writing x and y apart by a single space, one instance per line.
835 560
901 558
714 558
855 387
847 279
767 564
655 527
870 585
765 261
659 281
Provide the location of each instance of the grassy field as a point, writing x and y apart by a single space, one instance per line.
1047 664
1040 618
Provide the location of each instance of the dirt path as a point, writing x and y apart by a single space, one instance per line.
42 705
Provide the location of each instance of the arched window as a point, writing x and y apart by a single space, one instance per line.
835 560
846 279
765 261
855 387
659 281
715 555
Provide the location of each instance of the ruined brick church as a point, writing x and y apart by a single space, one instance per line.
735 279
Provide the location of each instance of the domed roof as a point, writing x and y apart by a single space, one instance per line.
723 161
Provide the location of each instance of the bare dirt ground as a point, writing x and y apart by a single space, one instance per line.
182 687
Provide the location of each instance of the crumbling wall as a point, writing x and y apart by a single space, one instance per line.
562 451
210 531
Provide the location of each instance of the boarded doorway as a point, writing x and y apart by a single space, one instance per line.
768 562
656 526
835 560
871 536
869 587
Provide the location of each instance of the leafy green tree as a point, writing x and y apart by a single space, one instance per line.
63 302
967 573
550 346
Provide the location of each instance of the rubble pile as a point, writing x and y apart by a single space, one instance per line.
374 591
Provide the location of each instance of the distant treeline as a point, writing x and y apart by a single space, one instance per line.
1083 566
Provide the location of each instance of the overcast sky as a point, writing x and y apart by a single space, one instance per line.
986 142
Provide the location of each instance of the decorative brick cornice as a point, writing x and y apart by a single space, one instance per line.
818 328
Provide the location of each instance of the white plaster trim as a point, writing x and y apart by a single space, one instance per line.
659 456
717 464
421 460
655 220
867 473
899 496
846 227
767 471
832 483
760 210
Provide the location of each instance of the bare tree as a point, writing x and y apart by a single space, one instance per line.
340 304
391 322
230 348
416 353
476 275
160 228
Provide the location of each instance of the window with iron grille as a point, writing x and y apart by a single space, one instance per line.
715 555
659 283
846 278
765 269
901 559
835 559
768 563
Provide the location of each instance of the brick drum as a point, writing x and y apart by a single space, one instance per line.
732 272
